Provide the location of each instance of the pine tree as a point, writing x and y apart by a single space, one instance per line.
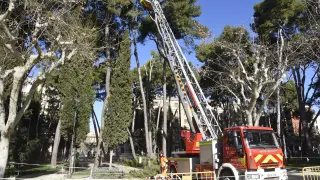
119 110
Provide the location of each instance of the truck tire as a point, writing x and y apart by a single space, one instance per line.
227 175
173 169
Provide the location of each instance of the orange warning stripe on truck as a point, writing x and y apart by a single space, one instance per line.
268 158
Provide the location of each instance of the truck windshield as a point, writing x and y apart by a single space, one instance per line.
261 139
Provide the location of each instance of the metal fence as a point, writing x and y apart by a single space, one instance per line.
22 169
306 173
311 173
107 172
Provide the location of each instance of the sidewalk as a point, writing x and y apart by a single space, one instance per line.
294 169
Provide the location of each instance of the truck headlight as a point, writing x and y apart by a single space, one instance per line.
253 176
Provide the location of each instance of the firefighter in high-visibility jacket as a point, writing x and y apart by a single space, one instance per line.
163 164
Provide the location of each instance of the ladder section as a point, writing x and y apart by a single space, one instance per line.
204 117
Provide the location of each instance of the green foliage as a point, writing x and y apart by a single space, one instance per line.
289 96
181 15
76 92
25 144
270 15
30 170
118 115
27 150
135 162
218 58
217 50
145 172
153 70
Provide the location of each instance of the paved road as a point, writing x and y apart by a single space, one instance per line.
295 176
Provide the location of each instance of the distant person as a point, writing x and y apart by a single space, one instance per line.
163 164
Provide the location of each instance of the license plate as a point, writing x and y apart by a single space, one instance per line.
271 175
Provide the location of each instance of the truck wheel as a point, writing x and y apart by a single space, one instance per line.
173 169
227 175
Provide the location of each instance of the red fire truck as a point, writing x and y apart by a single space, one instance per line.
241 152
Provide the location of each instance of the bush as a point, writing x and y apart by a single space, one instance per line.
135 162
145 172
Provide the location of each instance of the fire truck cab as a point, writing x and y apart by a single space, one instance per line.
244 152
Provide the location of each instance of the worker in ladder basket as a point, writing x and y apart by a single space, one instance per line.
163 164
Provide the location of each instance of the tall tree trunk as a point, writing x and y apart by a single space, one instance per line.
158 118
133 151
165 123
65 150
285 147
40 112
73 141
99 130
278 113
134 114
157 129
303 128
56 143
145 112
95 127
152 142
111 155
4 149
299 80
306 143
4 140
98 157
249 121
96 119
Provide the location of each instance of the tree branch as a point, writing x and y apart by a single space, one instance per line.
6 73
8 12
6 30
249 79
255 65
313 121
245 99
303 80
314 75
2 110
11 124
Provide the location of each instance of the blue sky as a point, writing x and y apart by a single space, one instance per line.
216 14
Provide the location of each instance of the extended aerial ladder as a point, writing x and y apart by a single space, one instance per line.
191 94
226 160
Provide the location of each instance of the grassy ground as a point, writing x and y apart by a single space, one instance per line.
132 169
129 172
30 171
